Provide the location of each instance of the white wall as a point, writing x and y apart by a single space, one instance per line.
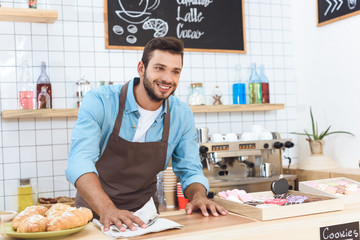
74 46
326 64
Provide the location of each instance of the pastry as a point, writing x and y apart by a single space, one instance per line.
71 218
296 199
279 201
235 195
56 210
243 196
29 211
280 186
32 224
87 212
234 198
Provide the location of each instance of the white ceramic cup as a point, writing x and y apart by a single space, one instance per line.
265 136
217 137
229 137
247 136
256 131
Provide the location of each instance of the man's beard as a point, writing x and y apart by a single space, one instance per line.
149 88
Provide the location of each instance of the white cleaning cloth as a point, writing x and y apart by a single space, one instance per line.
149 215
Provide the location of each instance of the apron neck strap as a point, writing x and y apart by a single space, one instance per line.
166 128
118 121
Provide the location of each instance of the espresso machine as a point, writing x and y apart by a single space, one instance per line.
248 165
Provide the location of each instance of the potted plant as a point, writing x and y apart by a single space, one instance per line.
315 138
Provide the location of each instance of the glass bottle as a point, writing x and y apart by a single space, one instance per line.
43 98
239 88
25 197
254 86
43 80
264 85
26 88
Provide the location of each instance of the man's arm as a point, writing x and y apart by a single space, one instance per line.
196 193
188 168
90 189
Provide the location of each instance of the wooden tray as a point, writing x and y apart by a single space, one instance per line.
322 204
348 199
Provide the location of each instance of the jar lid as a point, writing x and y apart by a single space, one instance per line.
24 181
83 82
196 84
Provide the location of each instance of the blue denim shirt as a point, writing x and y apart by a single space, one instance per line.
96 120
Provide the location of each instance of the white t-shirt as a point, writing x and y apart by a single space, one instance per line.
147 118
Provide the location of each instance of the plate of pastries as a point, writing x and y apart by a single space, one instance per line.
42 222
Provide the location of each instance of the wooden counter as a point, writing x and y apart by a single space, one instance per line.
238 227
307 175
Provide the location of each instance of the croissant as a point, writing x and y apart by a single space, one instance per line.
88 213
29 211
71 218
32 224
56 210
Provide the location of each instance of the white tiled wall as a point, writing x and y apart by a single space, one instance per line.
74 46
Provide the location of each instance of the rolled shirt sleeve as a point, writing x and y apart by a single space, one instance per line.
185 159
85 140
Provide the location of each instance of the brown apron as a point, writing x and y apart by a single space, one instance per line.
127 170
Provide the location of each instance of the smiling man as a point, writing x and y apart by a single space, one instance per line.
126 134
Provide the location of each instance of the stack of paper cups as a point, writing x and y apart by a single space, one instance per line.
170 181
181 198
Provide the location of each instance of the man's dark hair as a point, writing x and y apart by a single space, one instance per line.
168 44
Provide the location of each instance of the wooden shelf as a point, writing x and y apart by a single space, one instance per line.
28 15
236 108
39 113
73 112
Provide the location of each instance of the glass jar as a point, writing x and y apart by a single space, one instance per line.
25 194
196 94
83 86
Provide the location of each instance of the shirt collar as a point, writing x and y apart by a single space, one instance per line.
131 105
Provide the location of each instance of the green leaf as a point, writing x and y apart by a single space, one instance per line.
309 135
312 123
335 132
304 134
316 134
323 134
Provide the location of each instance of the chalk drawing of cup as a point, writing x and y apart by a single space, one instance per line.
351 4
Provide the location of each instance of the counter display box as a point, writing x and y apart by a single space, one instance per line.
316 204
343 188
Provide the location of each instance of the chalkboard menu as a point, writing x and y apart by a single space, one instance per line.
333 10
203 25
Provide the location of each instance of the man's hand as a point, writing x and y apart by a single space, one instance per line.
202 204
196 193
92 192
120 217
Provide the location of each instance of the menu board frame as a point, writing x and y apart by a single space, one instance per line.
233 42
329 11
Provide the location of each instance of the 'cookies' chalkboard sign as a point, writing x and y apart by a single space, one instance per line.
203 25
332 10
